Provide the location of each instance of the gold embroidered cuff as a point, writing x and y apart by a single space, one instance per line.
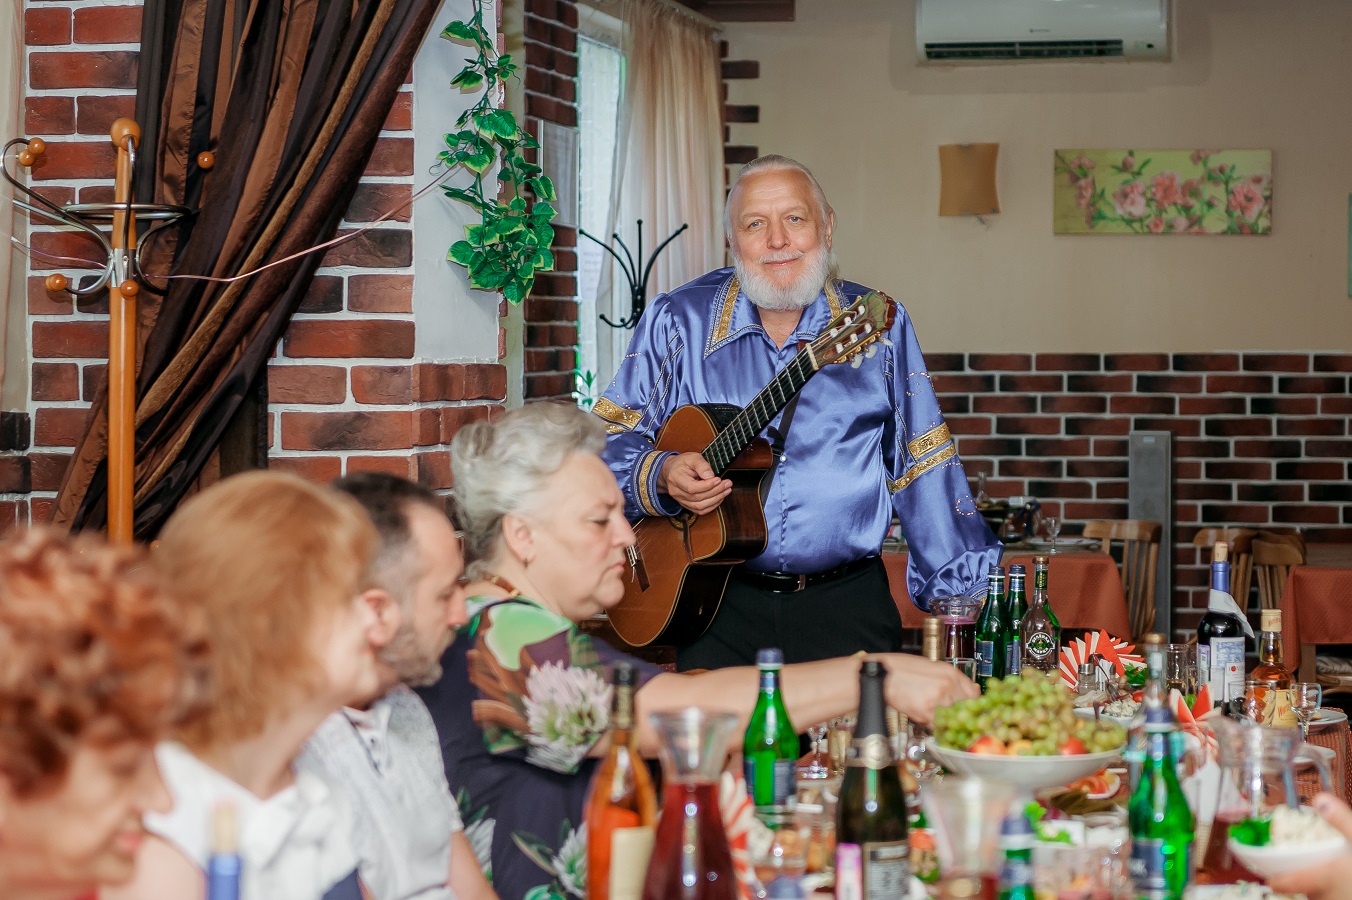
929 442
644 483
616 417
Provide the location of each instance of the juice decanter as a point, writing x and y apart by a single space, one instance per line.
1258 772
691 859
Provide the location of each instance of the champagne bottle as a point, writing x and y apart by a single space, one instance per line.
1016 842
1018 608
1153 697
223 865
621 809
990 647
1039 629
1159 818
872 849
770 747
1220 635
1270 670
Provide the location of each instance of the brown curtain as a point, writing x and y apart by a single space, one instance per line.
290 95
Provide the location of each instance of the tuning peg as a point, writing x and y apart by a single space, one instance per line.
870 351
884 340
856 361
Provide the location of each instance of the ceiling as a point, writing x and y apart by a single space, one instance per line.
743 10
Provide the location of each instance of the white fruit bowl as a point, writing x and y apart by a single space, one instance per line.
1278 859
1031 772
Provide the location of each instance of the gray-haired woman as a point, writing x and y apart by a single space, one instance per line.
520 708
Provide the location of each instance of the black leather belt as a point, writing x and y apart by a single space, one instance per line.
788 583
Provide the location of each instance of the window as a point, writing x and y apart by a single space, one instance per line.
600 83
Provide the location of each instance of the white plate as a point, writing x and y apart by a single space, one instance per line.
1030 772
1279 859
1328 715
1078 543
1087 712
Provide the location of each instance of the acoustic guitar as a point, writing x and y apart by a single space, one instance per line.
680 565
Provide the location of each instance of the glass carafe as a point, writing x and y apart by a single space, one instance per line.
691 859
1258 772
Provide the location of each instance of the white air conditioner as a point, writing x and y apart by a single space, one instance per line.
975 30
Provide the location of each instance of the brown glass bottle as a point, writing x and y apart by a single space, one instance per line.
1275 708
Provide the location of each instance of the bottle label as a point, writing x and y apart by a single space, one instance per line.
985 658
1040 645
873 870
870 752
1150 866
1227 668
782 783
630 849
1273 706
1014 657
1204 666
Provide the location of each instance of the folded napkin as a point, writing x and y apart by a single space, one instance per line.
1220 601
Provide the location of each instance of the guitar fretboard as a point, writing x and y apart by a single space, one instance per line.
748 423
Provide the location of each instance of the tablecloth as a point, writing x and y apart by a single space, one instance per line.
1085 591
1316 609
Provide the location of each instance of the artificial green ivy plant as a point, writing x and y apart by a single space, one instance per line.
511 243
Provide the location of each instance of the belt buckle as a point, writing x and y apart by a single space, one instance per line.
802 584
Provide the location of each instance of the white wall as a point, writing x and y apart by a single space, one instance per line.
840 89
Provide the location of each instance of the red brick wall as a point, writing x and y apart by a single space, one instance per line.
347 390
1259 438
551 312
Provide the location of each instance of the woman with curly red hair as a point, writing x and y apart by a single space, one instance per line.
96 664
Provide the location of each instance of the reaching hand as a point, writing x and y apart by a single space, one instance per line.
917 686
689 480
1331 880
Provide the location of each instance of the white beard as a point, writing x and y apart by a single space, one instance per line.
799 293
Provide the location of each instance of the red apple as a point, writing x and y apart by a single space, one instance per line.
1073 746
987 744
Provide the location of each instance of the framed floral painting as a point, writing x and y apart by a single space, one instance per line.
1162 192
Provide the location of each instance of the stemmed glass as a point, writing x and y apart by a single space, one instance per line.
1053 526
1306 696
817 767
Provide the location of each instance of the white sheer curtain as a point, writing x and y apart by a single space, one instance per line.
11 99
669 156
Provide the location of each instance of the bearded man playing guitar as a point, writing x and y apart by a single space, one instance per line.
861 440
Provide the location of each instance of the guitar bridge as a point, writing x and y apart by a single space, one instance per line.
638 571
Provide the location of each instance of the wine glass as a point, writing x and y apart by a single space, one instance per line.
1306 697
817 767
1053 526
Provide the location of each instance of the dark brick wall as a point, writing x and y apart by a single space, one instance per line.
1259 438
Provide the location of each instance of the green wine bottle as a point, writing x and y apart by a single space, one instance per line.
873 855
770 747
990 645
1016 609
1159 818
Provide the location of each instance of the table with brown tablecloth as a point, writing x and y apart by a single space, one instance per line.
1334 736
1085 591
1316 609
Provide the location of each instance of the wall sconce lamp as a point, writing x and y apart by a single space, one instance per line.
967 180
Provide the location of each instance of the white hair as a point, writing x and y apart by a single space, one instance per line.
773 162
501 467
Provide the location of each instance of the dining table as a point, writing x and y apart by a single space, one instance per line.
1314 605
1084 587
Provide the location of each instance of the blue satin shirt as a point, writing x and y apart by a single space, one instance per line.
863 441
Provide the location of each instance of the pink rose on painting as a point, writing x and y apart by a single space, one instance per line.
1076 166
1178 223
1164 189
1199 155
1084 193
1128 163
1129 200
1247 199
1156 225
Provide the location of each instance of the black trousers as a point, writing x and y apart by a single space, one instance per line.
838 618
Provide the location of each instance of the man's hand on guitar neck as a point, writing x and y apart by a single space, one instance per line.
689 480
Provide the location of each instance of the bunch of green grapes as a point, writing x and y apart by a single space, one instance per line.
1031 715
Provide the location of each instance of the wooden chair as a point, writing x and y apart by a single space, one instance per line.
1241 557
1272 562
1140 543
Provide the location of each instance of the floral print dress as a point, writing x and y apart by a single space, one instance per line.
524 697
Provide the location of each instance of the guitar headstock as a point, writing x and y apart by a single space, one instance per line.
855 330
